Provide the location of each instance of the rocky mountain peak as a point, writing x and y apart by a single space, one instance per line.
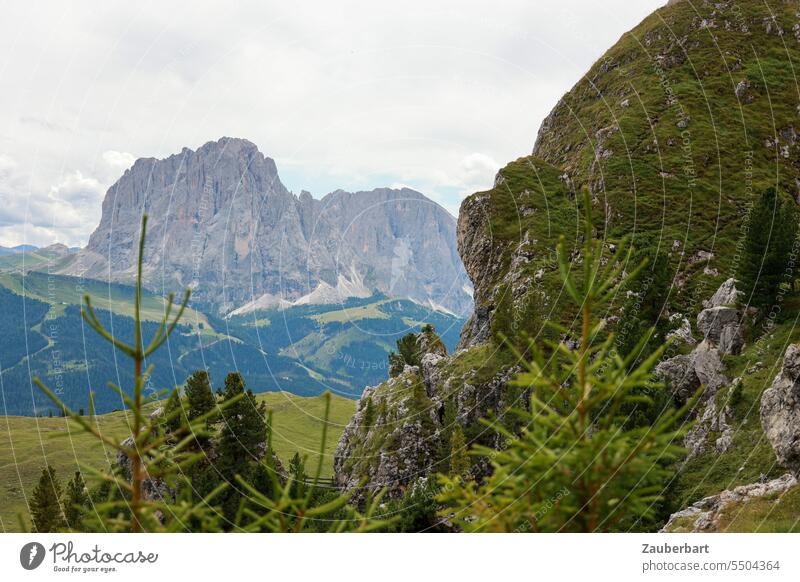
223 223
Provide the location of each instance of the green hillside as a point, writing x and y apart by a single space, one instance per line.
675 131
42 259
27 444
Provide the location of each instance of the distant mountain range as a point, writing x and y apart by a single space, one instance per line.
16 249
297 294
222 223
54 249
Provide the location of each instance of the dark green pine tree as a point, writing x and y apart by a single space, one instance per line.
76 502
173 412
46 511
407 353
199 396
767 248
396 364
408 349
199 402
242 438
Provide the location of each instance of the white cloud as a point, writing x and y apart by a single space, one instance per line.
77 189
357 95
7 165
117 162
67 212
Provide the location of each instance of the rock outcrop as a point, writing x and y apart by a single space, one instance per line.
222 223
780 411
685 373
400 419
401 429
721 326
707 514
726 296
483 264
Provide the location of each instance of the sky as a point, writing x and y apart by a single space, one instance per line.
432 95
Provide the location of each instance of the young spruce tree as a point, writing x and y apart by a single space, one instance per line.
124 503
154 455
576 466
76 502
46 510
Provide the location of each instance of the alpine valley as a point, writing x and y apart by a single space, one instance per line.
298 294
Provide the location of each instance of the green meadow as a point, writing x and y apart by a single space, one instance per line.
28 443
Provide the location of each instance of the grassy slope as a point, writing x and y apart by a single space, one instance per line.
618 133
369 311
772 514
26 444
39 259
750 457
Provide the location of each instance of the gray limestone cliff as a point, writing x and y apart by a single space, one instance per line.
223 223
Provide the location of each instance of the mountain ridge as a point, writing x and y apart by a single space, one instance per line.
224 224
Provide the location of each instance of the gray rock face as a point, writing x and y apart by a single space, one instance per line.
400 429
153 488
682 333
780 411
683 374
222 223
726 295
403 426
706 514
722 327
482 263
720 323
709 420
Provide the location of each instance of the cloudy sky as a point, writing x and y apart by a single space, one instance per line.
355 95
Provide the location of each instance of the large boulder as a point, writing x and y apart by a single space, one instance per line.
720 323
780 411
685 373
726 296
679 376
722 327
